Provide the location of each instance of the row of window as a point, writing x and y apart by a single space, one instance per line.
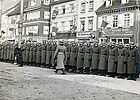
109 2
86 4
116 40
115 21
44 2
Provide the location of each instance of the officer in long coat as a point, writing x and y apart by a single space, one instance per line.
23 46
80 58
54 46
112 68
95 58
87 58
121 69
43 54
34 54
31 55
132 62
0 52
73 57
103 59
48 55
8 52
38 55
5 52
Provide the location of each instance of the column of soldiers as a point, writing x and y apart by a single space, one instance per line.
82 57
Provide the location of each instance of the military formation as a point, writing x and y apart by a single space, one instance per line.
113 60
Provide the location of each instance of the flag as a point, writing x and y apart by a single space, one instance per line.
54 29
54 14
104 24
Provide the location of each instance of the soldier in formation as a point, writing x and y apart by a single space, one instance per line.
82 57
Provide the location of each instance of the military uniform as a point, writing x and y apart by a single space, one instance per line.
87 58
34 54
80 58
103 59
31 55
54 46
95 59
48 55
73 57
0 52
43 54
27 54
131 62
38 56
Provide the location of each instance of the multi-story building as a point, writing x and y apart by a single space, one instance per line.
123 20
79 13
35 21
65 18
86 23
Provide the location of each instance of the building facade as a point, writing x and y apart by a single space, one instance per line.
35 20
76 19
123 17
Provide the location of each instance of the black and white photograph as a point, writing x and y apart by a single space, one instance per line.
69 49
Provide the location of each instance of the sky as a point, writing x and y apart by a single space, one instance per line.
6 4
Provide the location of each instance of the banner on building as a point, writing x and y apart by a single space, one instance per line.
104 24
54 14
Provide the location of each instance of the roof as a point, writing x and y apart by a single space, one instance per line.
116 4
17 8
61 1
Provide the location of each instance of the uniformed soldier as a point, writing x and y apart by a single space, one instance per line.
43 54
31 55
112 67
95 58
5 52
67 56
27 53
132 62
38 55
2 52
54 46
48 55
23 46
73 57
34 54
87 58
8 52
80 58
121 69
103 59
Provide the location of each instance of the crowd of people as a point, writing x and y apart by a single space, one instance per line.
113 60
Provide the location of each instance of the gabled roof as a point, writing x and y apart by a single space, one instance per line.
116 4
16 10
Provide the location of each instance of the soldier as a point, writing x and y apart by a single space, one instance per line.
8 52
23 46
87 58
112 67
102 68
5 52
48 55
67 56
38 55
121 69
54 46
138 65
2 52
131 62
73 56
95 58
80 58
34 54
43 54
27 53
31 55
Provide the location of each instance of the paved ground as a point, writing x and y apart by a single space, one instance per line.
33 83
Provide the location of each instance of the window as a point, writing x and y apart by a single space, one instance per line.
120 40
46 2
114 40
83 7
33 2
82 25
115 21
91 5
63 10
46 15
63 25
71 23
46 30
126 41
108 3
104 18
124 1
90 25
71 7
126 19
